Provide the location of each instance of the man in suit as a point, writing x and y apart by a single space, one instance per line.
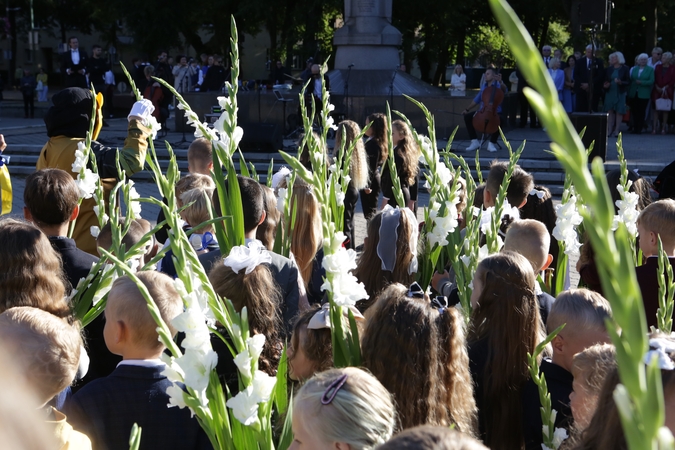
546 54
284 271
589 74
74 65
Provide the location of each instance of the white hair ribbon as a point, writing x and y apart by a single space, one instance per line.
280 175
321 319
660 348
538 193
247 257
386 246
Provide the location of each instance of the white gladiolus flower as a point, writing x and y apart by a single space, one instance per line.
628 210
281 200
172 371
255 345
245 407
86 182
197 366
340 198
176 396
153 125
330 107
80 159
263 386
94 230
565 226
193 323
559 435
346 289
243 362
330 123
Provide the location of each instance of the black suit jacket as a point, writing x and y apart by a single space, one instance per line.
74 79
106 409
649 286
559 382
285 273
582 74
76 263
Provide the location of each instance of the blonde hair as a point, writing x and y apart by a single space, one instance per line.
659 218
553 61
306 234
31 273
409 152
529 238
267 230
358 165
360 414
427 437
592 365
434 385
126 303
580 309
46 347
200 155
192 181
137 229
197 211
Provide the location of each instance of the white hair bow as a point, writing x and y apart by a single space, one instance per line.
247 257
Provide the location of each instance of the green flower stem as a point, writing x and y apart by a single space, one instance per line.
666 282
641 397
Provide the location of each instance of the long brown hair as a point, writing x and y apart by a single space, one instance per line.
432 385
31 273
258 292
507 318
358 165
378 125
408 151
369 266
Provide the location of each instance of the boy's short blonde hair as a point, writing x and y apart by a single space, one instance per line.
126 303
45 347
530 238
659 218
137 229
200 155
580 309
197 212
192 181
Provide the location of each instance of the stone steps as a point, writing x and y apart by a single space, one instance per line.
545 171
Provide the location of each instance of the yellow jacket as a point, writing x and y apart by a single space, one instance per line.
59 153
66 437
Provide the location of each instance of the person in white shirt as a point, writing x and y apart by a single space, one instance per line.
458 82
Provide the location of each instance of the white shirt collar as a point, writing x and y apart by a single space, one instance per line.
142 362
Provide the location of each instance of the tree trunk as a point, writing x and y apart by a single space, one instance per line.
461 48
12 34
651 25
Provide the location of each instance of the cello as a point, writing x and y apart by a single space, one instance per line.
486 120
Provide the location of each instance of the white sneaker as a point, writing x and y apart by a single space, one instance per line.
475 145
492 147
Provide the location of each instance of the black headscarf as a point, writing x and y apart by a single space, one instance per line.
71 113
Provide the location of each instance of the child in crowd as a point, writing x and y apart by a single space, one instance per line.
284 271
310 349
584 312
539 206
358 172
30 270
247 282
590 369
267 231
46 349
200 162
200 157
51 204
137 229
406 156
433 385
427 437
377 149
588 271
389 252
135 392
605 430
342 409
196 211
307 237
530 238
505 326
656 220
519 188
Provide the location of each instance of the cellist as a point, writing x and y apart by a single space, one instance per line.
492 78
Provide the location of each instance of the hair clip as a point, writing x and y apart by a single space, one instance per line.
538 193
440 303
660 348
333 389
415 290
